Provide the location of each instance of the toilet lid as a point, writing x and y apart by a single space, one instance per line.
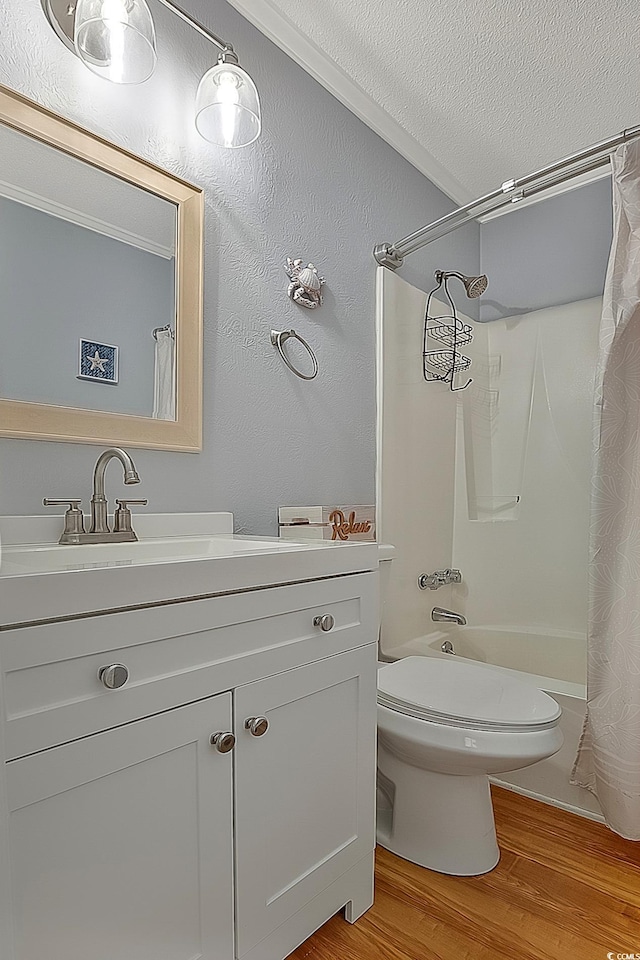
460 693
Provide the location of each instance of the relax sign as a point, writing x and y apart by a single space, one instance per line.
341 523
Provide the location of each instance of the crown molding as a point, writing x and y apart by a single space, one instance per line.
278 28
54 208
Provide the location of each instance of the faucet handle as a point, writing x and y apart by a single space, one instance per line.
439 578
73 519
122 516
432 581
73 504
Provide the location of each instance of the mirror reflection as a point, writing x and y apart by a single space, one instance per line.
87 285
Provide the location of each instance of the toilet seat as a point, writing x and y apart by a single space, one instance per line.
457 693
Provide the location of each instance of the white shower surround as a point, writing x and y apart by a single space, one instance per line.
532 441
524 586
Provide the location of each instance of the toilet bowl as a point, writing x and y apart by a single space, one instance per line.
444 727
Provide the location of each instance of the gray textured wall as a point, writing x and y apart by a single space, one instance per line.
552 252
114 293
319 185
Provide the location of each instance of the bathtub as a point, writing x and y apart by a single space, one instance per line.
546 656
556 663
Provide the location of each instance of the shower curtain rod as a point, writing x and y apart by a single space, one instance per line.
392 254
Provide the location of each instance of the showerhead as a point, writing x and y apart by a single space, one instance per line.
474 286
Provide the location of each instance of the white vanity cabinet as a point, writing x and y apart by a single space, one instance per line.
121 845
304 800
130 835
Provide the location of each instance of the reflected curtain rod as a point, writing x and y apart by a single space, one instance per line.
392 254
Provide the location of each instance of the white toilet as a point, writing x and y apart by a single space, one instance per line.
445 726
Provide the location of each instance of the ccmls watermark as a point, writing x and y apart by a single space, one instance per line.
623 956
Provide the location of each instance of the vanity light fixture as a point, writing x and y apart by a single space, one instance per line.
116 39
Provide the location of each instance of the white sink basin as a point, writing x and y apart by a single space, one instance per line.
178 556
49 558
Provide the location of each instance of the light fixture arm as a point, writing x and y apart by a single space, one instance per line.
227 53
227 103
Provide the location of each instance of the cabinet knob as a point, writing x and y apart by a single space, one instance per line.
223 742
325 622
114 676
257 726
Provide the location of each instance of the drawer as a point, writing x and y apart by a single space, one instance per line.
174 654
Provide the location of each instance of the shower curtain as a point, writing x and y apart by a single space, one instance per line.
608 761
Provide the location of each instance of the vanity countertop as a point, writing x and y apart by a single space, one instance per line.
178 557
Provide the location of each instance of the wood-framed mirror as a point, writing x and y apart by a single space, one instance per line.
100 289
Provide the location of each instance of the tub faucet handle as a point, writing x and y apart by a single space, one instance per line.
439 578
429 581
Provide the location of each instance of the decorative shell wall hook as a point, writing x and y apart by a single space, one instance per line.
306 286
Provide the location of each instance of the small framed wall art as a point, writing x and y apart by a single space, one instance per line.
98 361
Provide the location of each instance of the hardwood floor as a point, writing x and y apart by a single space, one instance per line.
565 889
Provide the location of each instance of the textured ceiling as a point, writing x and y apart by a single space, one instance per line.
490 89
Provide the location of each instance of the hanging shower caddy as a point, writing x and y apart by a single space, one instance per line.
445 334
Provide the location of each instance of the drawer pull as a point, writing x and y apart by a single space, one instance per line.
114 676
325 622
257 726
223 742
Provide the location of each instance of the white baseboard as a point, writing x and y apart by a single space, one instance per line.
550 801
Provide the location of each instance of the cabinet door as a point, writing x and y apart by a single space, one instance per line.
305 790
121 843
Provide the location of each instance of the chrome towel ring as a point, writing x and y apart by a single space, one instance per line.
278 338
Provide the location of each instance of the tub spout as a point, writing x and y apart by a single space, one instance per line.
440 615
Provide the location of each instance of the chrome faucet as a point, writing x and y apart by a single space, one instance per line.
440 615
99 531
98 500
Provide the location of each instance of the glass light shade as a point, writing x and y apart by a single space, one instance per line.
228 106
116 39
